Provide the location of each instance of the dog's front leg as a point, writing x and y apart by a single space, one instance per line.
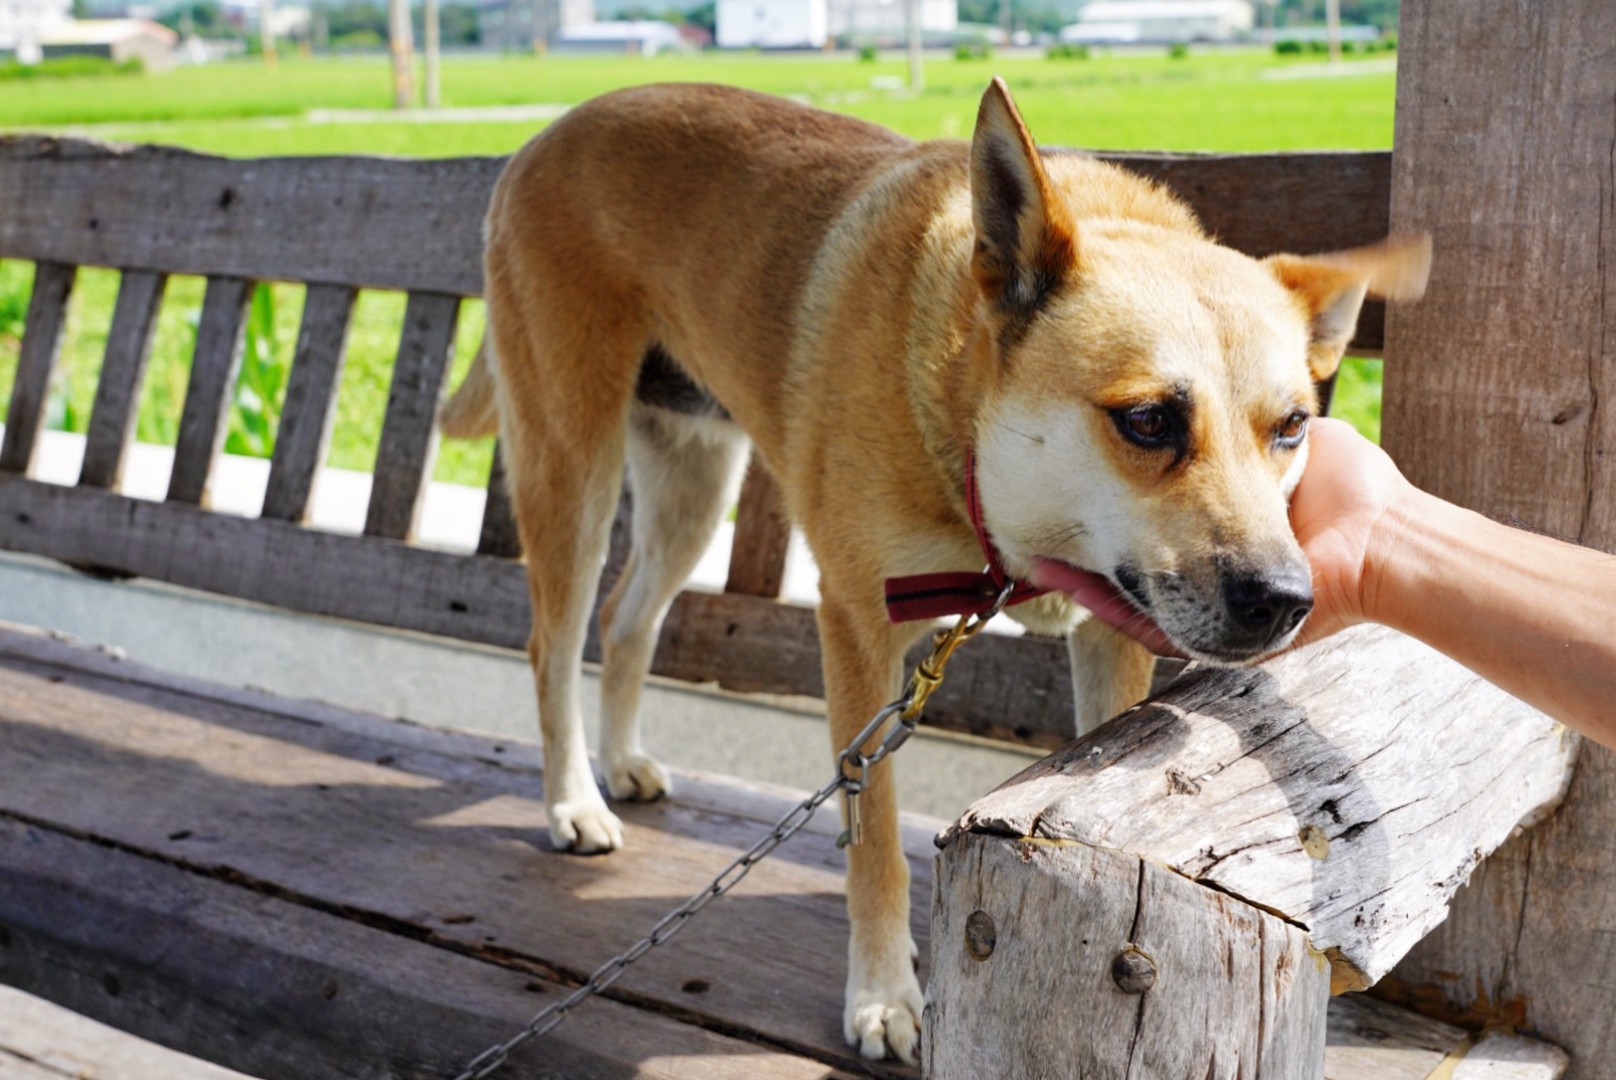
863 671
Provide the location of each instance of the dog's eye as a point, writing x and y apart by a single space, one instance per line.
1150 426
1291 429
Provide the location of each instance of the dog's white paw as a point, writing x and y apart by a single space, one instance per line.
637 777
585 827
883 1020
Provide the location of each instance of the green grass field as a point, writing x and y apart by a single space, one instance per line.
1223 101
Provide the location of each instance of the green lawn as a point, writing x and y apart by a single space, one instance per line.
1225 101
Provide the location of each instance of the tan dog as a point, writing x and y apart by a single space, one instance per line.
862 307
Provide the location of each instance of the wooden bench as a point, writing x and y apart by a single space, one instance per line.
301 891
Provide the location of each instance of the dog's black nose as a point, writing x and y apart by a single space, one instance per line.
1269 603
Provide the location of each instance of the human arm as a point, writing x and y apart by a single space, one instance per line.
1533 615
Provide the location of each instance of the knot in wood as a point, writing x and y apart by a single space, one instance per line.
980 935
1133 970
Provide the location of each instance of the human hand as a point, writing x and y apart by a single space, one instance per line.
1343 515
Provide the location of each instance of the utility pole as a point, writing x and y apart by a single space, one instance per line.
429 21
1332 28
401 44
911 18
266 31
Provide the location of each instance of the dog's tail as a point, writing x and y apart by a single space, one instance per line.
471 412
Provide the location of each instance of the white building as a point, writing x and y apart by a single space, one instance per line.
1124 22
627 37
810 24
118 40
24 22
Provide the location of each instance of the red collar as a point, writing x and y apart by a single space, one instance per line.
931 596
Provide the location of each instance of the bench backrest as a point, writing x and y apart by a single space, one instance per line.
344 224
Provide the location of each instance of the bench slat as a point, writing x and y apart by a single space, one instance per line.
311 398
214 367
408 444
498 537
743 643
358 221
112 418
41 345
757 560
342 220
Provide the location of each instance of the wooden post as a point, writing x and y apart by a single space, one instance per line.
1158 976
1498 396
1237 831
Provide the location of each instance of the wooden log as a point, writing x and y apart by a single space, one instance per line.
117 391
739 642
358 221
1055 960
1505 124
757 559
1350 788
310 409
41 345
214 367
408 443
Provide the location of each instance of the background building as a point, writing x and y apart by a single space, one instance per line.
1161 21
811 24
24 22
522 25
117 40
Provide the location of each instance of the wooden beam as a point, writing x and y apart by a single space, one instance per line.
358 221
1015 688
1506 125
1350 787
338 220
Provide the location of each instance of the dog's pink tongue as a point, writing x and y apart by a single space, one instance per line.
1101 597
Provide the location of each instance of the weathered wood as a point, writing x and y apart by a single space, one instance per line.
1505 127
498 536
63 1045
340 220
311 402
214 367
1371 1040
117 391
435 837
1502 1056
1309 787
1062 960
358 221
41 345
757 560
408 443
279 987
739 642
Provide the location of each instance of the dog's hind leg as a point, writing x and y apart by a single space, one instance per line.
1110 672
684 473
567 364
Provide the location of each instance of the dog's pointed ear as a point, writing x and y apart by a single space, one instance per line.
1025 239
1331 289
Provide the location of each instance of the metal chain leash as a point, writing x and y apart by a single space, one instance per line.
852 775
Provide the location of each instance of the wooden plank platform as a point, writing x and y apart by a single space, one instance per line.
295 890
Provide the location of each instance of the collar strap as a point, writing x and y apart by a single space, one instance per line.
933 596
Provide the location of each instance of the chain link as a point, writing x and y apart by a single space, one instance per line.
852 772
